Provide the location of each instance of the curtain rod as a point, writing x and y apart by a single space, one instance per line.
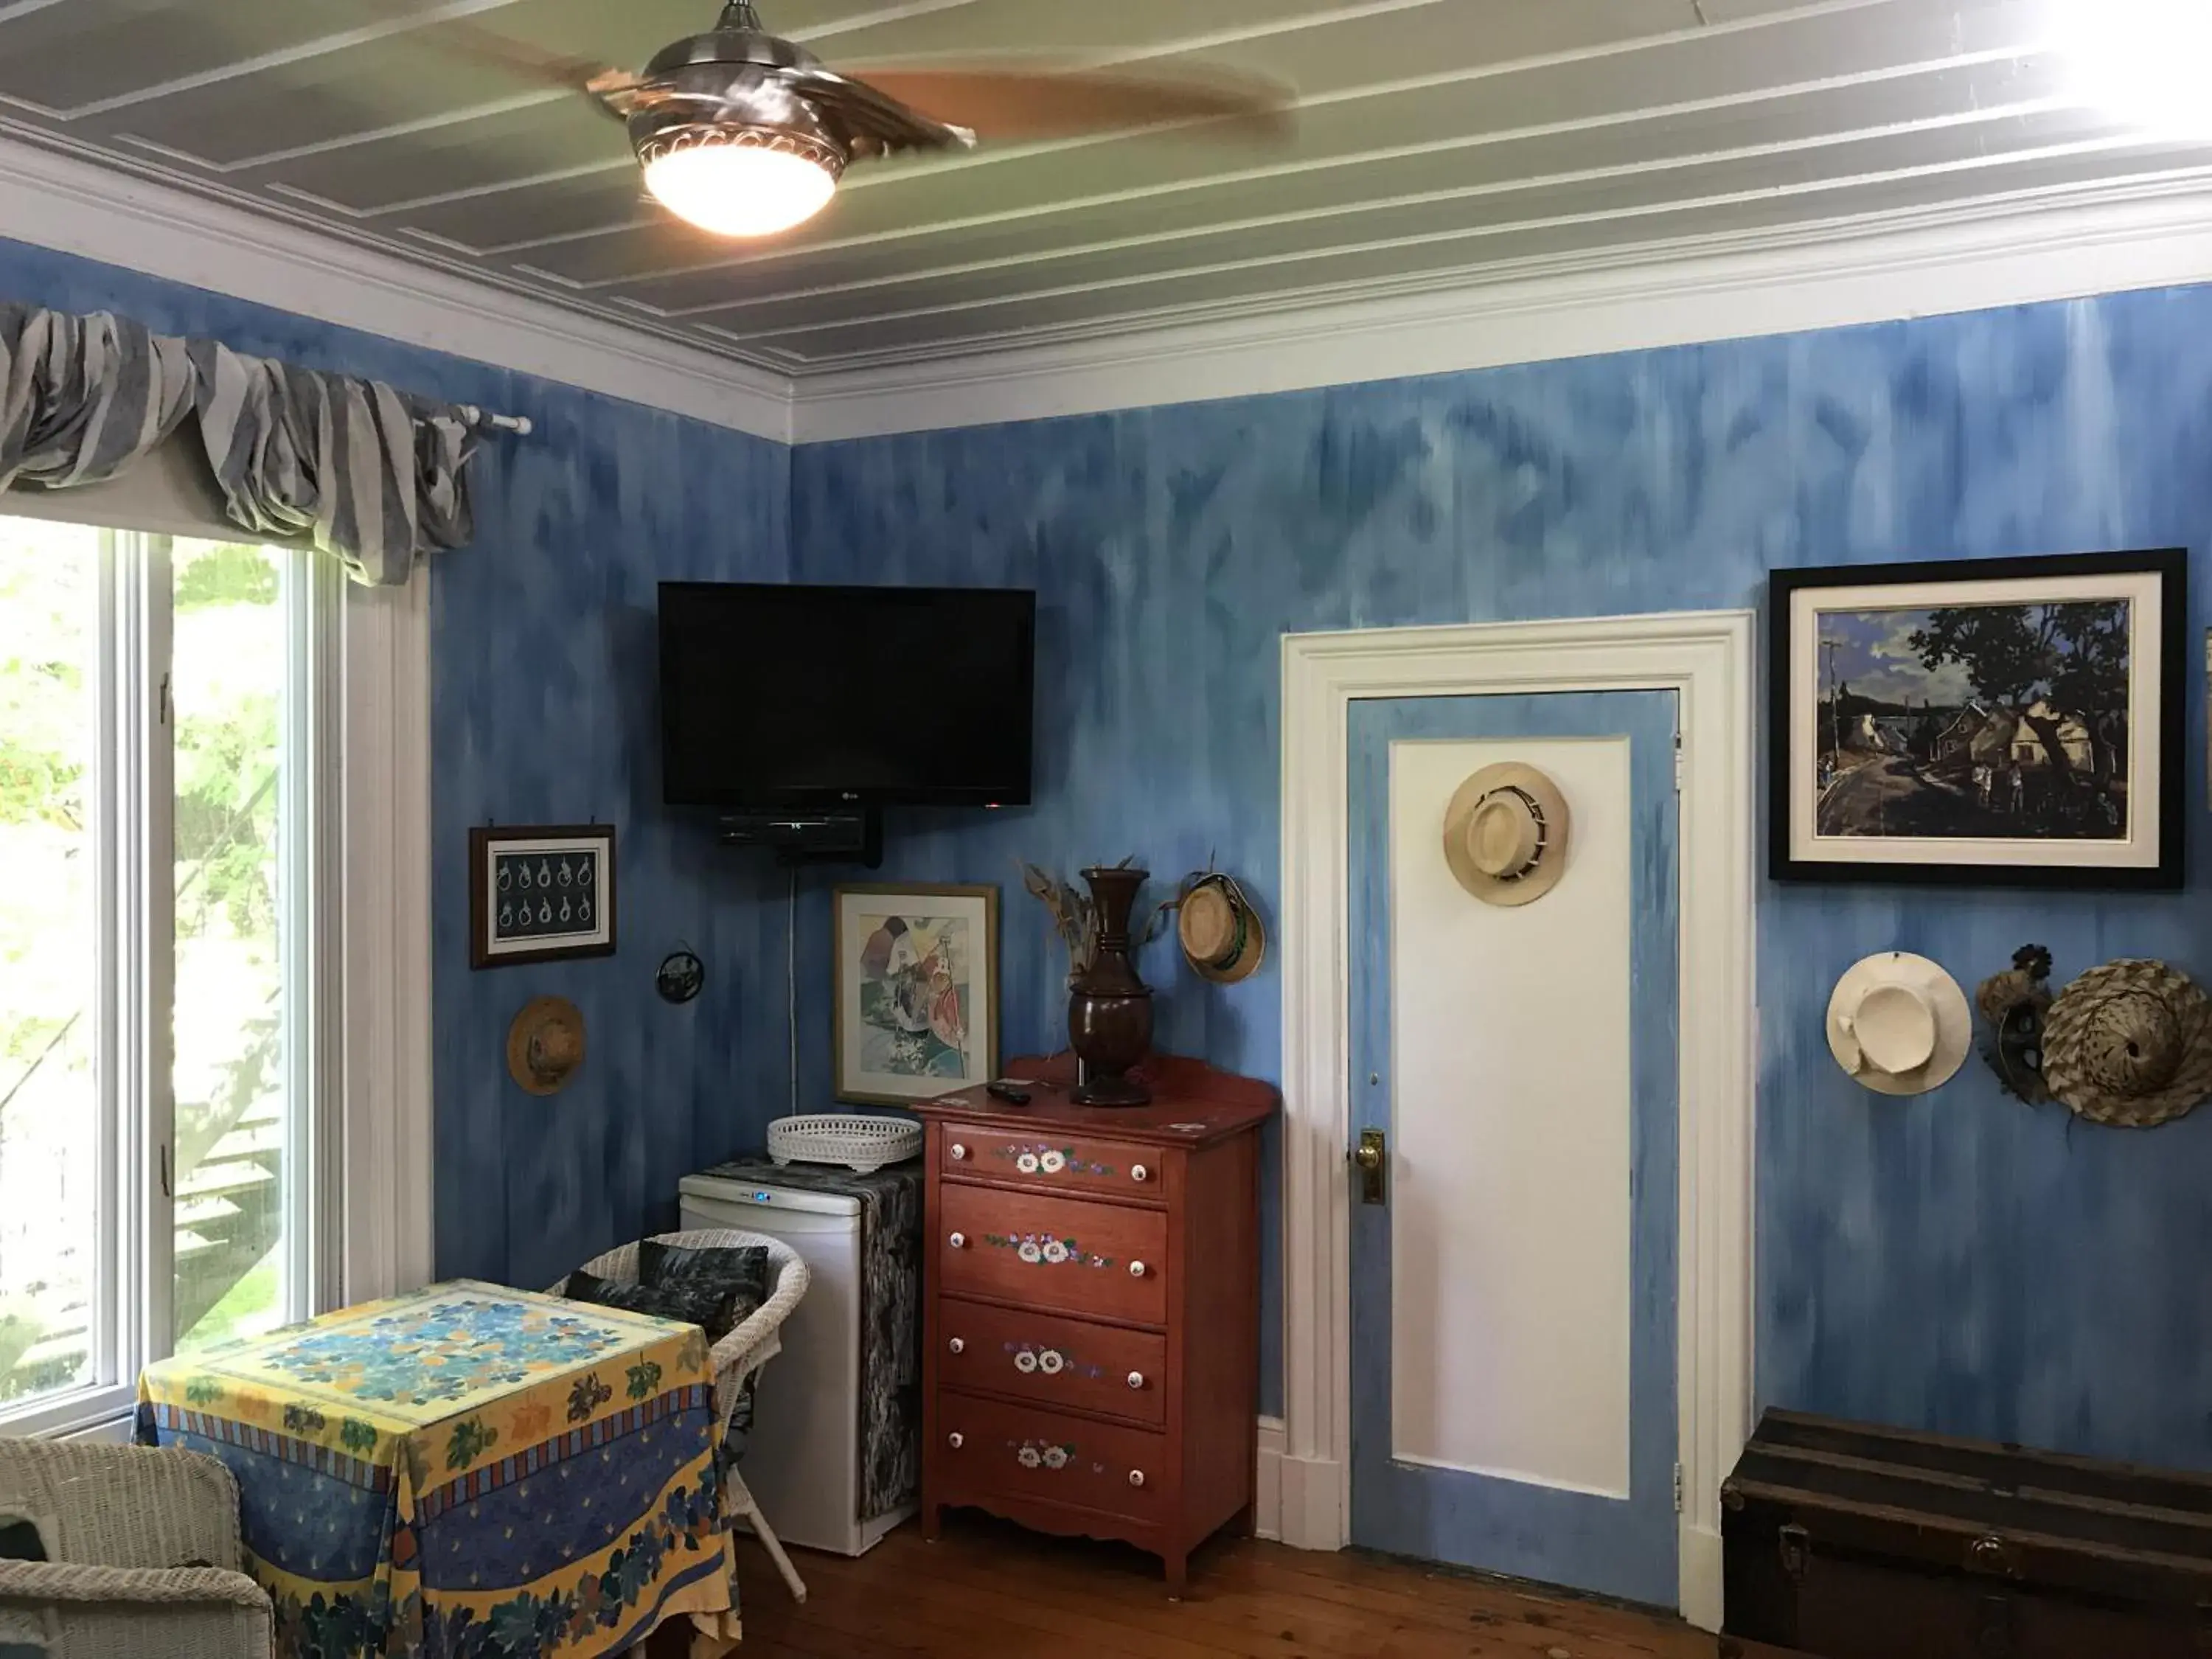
519 424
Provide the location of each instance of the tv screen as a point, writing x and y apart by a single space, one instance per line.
780 696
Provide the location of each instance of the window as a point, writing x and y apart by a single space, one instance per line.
166 773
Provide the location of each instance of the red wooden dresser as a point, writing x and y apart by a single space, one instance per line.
1091 1307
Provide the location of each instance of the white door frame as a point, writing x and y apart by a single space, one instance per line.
1706 659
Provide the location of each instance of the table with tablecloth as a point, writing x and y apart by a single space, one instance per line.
465 1470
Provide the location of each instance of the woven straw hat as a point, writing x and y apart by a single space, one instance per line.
1899 1023
545 1044
1222 936
1505 834
2129 1043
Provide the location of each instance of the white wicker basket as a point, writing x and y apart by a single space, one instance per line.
860 1144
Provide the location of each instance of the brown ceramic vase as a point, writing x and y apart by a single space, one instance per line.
1110 1009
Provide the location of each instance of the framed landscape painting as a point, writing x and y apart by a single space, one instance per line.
917 991
1994 721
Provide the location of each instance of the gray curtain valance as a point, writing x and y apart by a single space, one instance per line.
82 397
367 473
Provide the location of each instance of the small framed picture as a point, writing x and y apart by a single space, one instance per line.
541 893
2012 722
917 991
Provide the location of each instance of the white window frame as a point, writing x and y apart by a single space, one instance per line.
360 686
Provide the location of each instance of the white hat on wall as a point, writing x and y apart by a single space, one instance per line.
1899 1023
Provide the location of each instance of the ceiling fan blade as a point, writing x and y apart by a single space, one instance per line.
1031 101
612 88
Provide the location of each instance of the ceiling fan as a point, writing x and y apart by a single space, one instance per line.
744 133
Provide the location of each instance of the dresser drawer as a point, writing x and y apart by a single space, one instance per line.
1053 1361
1052 1163
986 1448
1105 1261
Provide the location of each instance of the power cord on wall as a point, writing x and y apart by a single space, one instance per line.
791 985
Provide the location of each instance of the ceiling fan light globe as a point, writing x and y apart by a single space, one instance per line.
732 187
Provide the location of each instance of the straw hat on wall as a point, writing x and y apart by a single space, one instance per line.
2129 1043
545 1044
1899 1023
1222 935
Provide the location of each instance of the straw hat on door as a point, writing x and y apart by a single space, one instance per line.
1505 834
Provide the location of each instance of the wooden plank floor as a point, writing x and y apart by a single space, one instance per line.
991 1590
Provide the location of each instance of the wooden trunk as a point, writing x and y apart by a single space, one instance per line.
1848 1541
1092 1307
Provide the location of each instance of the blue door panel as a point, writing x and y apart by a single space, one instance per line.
1617 1547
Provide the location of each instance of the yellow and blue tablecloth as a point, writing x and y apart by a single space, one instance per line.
468 1470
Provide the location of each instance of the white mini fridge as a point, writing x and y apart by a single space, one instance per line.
803 1461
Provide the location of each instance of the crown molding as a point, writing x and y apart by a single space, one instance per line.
61 202
2053 245
2153 233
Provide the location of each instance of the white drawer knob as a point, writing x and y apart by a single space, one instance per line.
1051 1362
1138 1270
1136 1477
1136 1379
958 1151
953 1440
1139 1172
957 1345
1025 1361
958 1240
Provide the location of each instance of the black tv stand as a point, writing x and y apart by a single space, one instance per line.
847 836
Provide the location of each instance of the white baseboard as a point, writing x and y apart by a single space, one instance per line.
1701 1577
1299 1500
1267 1501
1310 1516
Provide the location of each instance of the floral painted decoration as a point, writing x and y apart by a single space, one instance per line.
1041 1453
1031 1357
1039 1159
1043 1249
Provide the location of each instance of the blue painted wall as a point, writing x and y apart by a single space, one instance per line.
1956 1262
543 711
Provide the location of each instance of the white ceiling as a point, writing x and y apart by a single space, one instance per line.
1439 144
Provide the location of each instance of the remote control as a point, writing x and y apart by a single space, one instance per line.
1012 1091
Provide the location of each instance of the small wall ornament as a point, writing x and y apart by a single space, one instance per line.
2015 1003
680 977
2130 1044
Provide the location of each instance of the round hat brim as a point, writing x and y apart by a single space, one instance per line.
1558 825
1954 1020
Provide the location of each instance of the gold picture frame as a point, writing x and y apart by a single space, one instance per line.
914 989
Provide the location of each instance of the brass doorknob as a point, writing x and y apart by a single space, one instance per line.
1371 1158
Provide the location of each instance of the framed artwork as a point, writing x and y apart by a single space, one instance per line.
540 893
917 991
2011 722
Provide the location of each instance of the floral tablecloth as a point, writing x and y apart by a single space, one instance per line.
468 1470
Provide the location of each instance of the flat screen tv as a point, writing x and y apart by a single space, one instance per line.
780 696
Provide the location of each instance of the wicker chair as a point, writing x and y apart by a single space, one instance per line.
738 1356
119 1520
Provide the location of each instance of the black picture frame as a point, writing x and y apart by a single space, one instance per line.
563 848
1798 783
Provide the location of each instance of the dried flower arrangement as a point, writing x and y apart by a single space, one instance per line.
1075 916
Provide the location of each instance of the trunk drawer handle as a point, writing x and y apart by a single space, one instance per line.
1795 1545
